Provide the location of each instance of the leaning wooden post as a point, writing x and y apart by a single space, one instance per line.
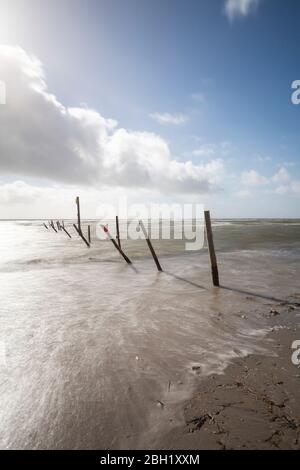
81 235
45 226
65 230
52 225
116 245
89 234
78 214
212 253
118 231
150 246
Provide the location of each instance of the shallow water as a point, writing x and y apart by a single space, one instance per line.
99 354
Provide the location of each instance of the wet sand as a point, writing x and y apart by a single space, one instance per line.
255 404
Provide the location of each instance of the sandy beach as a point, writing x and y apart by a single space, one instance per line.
253 405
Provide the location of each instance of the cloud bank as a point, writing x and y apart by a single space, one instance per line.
40 137
280 183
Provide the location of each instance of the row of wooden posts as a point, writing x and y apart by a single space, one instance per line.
60 226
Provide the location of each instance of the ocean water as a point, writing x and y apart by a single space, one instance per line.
95 353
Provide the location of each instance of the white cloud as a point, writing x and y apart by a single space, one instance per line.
253 178
286 183
281 189
168 118
18 192
20 199
280 183
40 137
282 176
240 8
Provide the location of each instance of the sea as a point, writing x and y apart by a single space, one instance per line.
96 353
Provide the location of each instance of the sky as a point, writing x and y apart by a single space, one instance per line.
171 101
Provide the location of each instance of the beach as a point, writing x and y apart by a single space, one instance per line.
97 354
254 405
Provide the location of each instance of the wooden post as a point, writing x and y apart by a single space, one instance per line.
150 246
62 223
116 245
212 253
118 231
81 235
65 230
52 225
58 225
89 234
45 226
78 214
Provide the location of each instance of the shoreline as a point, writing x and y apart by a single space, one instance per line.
73 361
253 405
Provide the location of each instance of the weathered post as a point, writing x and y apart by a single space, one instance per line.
89 234
212 253
65 230
150 246
118 231
52 225
81 235
78 214
45 226
58 225
116 245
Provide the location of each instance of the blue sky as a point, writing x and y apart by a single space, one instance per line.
213 83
